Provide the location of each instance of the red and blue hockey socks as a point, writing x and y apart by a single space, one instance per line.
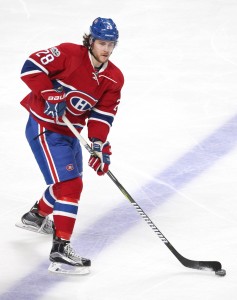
62 199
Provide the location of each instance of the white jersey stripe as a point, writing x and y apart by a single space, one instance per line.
31 72
38 65
103 112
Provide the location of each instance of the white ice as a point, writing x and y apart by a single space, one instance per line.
174 150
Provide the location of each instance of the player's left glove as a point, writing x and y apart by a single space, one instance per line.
103 151
55 102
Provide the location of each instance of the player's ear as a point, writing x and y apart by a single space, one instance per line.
91 41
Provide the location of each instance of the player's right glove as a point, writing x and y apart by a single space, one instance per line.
101 162
55 102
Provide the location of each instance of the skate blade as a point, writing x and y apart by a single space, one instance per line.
31 228
56 267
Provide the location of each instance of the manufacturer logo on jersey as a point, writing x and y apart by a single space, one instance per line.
55 51
79 102
56 98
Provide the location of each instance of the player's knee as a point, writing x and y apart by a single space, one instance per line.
70 189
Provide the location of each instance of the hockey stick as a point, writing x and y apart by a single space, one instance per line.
200 265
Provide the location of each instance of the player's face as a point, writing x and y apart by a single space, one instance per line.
102 50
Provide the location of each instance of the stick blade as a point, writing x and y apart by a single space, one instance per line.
201 265
195 264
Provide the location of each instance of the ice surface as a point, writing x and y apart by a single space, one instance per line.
174 150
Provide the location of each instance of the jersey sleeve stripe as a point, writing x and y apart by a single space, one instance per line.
99 120
30 72
32 65
101 112
108 119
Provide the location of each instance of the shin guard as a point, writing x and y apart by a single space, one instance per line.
67 194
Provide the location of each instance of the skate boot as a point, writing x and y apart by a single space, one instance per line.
34 222
64 259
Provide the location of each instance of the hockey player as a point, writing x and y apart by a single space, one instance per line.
81 82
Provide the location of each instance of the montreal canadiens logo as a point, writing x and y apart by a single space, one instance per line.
79 102
70 167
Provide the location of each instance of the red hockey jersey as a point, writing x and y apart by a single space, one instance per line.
92 97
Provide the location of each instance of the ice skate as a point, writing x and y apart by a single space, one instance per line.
64 259
34 222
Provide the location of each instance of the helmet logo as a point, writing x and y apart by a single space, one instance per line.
108 26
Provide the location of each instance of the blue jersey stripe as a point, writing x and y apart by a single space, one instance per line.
29 66
101 117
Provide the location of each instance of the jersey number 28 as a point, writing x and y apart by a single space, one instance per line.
47 58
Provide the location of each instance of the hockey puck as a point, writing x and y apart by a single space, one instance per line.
220 272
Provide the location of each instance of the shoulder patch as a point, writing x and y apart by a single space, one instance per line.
55 51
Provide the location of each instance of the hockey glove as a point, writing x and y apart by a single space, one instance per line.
55 103
101 162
